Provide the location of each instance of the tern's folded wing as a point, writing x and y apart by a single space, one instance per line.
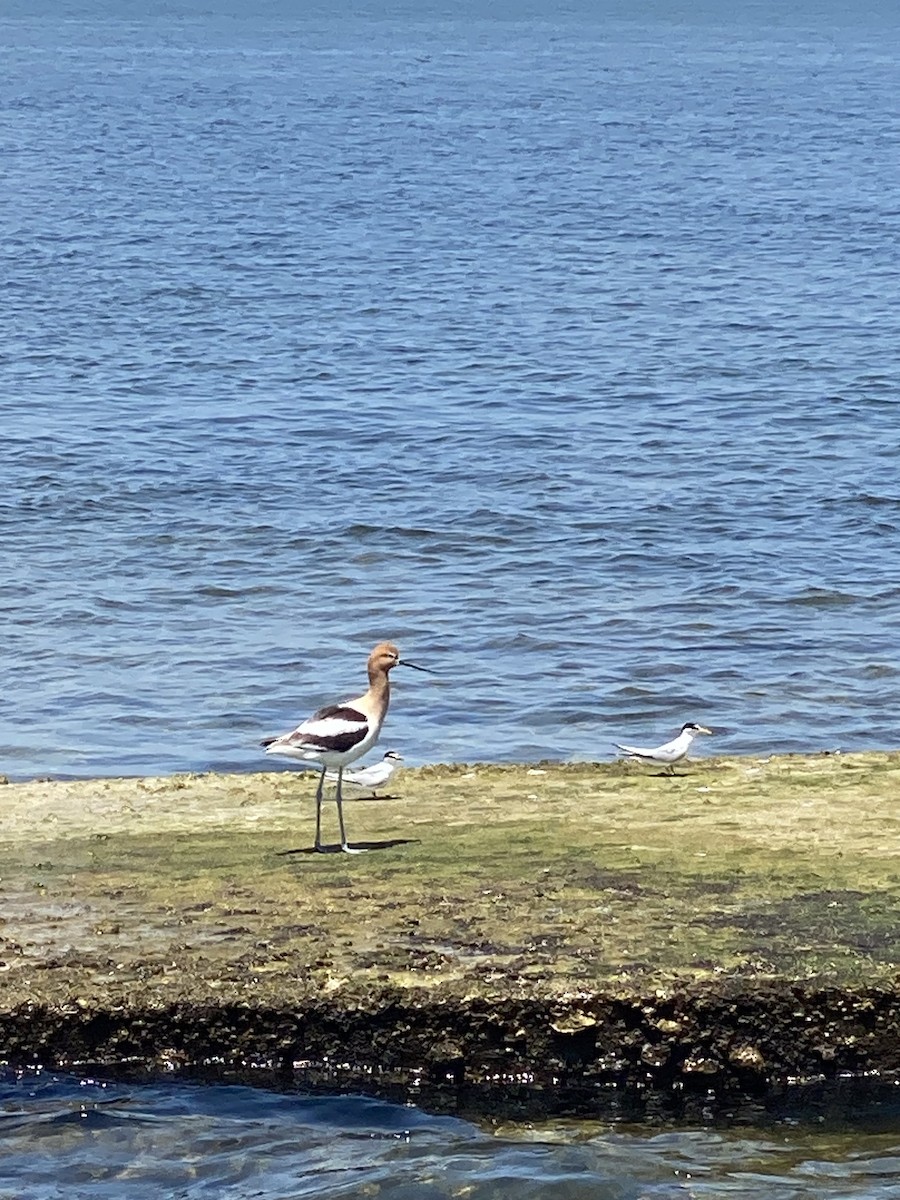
640 751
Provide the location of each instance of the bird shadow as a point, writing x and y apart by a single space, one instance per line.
335 848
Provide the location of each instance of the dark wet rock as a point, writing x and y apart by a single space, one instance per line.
388 1041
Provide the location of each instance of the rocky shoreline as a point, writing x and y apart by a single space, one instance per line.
548 938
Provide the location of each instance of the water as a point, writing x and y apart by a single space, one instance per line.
559 345
64 1136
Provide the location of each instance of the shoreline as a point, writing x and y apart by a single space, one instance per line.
561 935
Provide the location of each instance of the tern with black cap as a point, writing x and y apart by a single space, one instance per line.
669 753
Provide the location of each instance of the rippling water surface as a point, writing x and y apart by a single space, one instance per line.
558 344
69 1137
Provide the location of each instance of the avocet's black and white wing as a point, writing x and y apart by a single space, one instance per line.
335 730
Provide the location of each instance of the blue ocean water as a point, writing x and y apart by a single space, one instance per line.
557 343
82 1139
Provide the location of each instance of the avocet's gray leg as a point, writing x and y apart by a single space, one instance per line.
319 810
344 844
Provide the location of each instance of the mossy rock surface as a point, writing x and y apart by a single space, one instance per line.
552 925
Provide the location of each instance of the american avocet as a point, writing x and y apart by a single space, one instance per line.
670 753
341 733
375 776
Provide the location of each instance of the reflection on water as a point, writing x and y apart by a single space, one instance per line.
87 1138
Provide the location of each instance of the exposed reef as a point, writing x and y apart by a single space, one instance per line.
550 935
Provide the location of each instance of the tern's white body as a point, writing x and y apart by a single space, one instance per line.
668 754
374 776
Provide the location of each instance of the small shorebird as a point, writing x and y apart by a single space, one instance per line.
668 754
339 734
375 776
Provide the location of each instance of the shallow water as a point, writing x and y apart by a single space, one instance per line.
559 345
65 1136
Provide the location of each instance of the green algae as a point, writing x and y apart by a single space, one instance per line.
732 888
556 875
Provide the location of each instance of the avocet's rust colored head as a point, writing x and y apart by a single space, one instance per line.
385 657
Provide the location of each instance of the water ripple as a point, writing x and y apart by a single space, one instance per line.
558 346
66 1136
